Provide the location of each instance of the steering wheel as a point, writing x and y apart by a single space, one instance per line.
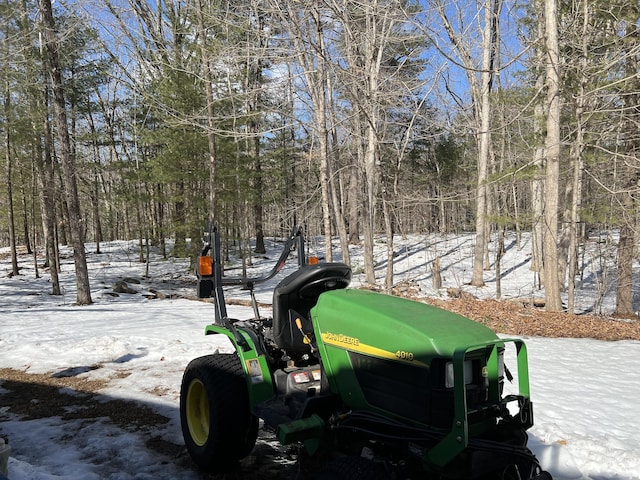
321 285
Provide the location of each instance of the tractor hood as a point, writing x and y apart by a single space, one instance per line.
392 355
392 327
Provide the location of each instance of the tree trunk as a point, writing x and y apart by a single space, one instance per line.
369 204
47 194
484 140
253 82
626 250
626 246
320 103
388 226
499 254
76 228
578 162
25 212
8 172
306 31
180 226
211 138
436 273
337 204
480 95
552 148
95 190
537 183
354 206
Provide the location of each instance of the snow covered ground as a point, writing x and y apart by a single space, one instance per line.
585 392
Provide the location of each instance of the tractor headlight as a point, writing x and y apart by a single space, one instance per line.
449 380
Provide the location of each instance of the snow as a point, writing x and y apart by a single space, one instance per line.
585 392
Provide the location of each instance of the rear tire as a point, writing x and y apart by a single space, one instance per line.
217 424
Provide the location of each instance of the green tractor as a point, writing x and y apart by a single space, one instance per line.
379 386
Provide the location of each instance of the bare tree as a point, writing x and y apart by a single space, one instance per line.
378 48
480 74
38 94
305 26
552 154
76 227
8 172
366 28
577 152
211 137
537 182
631 162
44 162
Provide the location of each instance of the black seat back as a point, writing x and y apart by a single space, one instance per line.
298 293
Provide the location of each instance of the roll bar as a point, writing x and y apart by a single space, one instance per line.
212 247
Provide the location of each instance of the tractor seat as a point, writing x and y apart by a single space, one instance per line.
298 293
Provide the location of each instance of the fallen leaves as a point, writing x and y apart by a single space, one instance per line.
514 319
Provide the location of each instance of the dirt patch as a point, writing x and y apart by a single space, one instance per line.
516 318
32 396
36 396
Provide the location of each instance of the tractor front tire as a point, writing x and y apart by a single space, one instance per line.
217 424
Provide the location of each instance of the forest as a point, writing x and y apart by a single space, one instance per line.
359 120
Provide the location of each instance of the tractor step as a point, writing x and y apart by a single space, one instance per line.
300 430
273 412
